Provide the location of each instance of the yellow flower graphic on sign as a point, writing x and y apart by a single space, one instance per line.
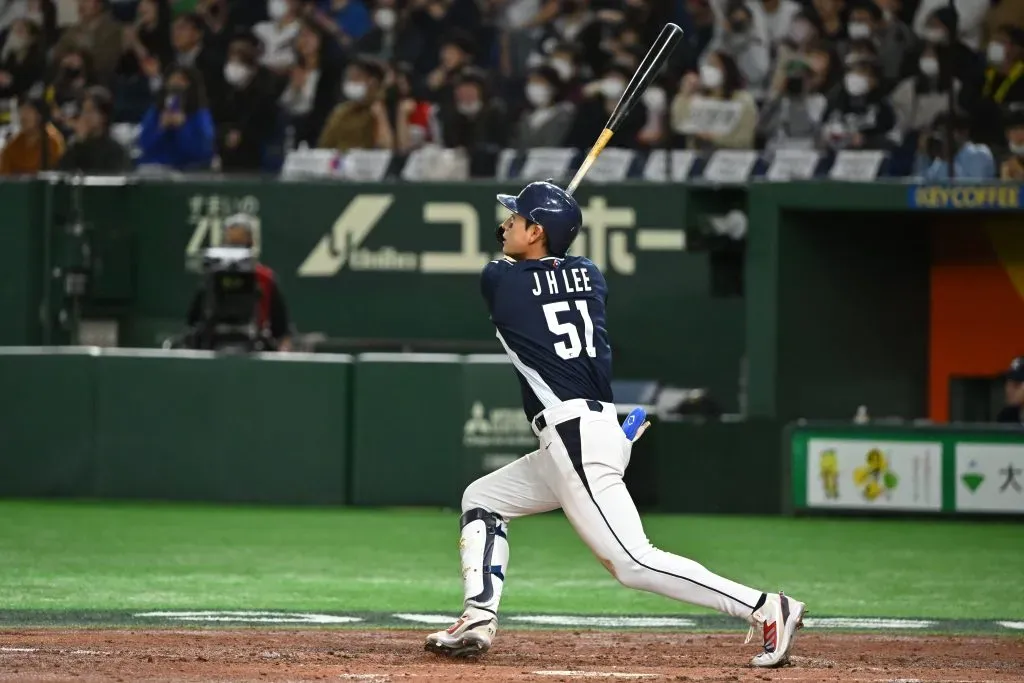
829 467
875 477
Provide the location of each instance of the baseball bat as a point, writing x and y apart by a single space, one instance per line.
645 73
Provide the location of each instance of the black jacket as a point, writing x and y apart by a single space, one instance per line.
871 115
252 111
96 155
25 72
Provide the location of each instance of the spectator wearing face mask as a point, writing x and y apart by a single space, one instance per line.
563 59
247 118
410 112
312 86
383 41
893 40
601 98
93 150
277 36
23 154
547 121
744 37
22 60
971 14
860 116
971 161
923 95
830 19
941 30
177 131
791 118
476 121
1002 85
74 74
713 110
1012 167
361 121
96 33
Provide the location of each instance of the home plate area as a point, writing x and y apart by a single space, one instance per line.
211 653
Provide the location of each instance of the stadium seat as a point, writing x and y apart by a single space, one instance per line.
793 164
612 166
730 166
658 165
310 163
547 162
436 163
365 165
857 165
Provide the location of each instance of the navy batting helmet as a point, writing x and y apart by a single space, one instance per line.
552 208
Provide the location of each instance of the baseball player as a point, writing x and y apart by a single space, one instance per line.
549 312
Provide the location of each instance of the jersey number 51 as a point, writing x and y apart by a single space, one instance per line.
567 350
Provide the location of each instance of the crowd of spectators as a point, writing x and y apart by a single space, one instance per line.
233 85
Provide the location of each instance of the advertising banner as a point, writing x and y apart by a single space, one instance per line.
907 468
874 474
989 477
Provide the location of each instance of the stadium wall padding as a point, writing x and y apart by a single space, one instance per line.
387 429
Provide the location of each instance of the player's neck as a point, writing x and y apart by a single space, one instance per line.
533 254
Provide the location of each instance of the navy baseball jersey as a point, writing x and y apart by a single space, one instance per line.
550 317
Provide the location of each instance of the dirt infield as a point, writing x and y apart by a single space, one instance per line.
392 655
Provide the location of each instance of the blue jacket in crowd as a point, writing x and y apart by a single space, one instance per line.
187 147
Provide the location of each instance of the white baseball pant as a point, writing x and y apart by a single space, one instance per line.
579 467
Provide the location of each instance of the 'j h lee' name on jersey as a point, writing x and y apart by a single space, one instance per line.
570 281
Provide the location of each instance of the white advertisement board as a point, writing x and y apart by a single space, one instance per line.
989 477
869 474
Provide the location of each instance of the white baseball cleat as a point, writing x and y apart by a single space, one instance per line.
469 636
778 619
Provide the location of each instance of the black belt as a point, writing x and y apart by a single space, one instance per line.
540 423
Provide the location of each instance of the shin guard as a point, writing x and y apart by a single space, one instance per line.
483 548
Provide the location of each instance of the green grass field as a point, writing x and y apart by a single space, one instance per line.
85 556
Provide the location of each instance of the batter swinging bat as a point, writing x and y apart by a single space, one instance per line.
645 73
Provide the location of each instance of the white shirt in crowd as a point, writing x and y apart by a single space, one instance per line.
300 102
277 43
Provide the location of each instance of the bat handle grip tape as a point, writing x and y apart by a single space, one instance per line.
602 141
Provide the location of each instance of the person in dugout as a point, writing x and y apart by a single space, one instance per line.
271 312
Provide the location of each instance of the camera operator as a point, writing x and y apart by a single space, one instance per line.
267 318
